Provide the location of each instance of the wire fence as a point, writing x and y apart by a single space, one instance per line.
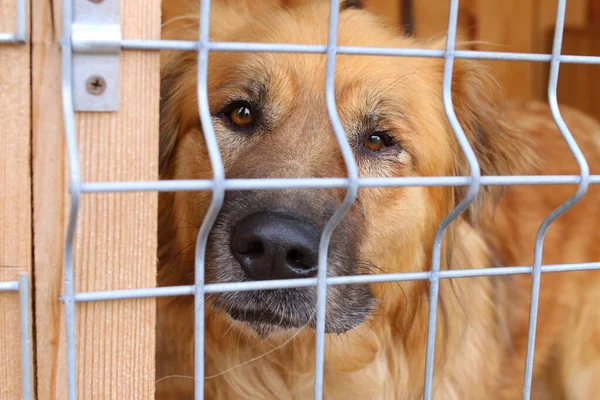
219 185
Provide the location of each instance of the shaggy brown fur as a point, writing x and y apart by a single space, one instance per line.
482 322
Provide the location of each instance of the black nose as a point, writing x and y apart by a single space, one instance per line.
276 246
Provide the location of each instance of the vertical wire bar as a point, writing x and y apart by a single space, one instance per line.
218 195
21 31
581 191
346 204
25 338
475 175
75 192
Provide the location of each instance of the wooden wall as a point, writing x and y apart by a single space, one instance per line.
15 195
116 234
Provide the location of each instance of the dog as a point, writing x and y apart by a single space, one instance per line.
270 117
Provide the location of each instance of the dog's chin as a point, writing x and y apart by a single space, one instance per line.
265 330
264 322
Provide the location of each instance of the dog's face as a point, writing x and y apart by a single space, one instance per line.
269 115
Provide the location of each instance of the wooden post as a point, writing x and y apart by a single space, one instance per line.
116 233
15 195
507 26
578 84
543 28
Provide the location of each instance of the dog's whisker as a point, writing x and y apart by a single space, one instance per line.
365 265
227 330
164 378
168 266
192 225
257 357
187 227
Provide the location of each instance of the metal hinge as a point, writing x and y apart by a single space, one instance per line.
96 45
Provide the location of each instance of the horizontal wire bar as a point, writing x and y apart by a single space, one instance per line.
9 286
183 45
126 294
140 44
567 59
337 280
326 183
8 38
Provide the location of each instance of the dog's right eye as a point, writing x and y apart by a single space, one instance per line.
240 115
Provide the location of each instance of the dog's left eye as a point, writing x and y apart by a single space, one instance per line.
240 114
377 141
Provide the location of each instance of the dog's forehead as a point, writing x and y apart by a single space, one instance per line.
356 28
362 80
308 25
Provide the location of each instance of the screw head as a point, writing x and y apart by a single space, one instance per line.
95 85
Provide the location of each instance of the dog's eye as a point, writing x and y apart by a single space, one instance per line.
377 141
241 115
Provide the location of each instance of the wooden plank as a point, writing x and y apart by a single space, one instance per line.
49 197
15 195
495 26
593 16
506 26
543 26
514 25
578 83
116 233
431 18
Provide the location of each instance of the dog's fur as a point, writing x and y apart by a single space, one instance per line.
482 322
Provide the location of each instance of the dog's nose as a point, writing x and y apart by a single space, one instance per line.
276 246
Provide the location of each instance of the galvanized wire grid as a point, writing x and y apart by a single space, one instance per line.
20 34
218 185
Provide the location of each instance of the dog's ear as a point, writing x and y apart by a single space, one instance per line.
170 120
501 148
176 74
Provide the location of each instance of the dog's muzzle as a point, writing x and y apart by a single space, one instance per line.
263 236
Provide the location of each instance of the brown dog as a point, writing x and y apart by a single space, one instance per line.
270 118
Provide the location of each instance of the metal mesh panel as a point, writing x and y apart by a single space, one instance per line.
218 185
